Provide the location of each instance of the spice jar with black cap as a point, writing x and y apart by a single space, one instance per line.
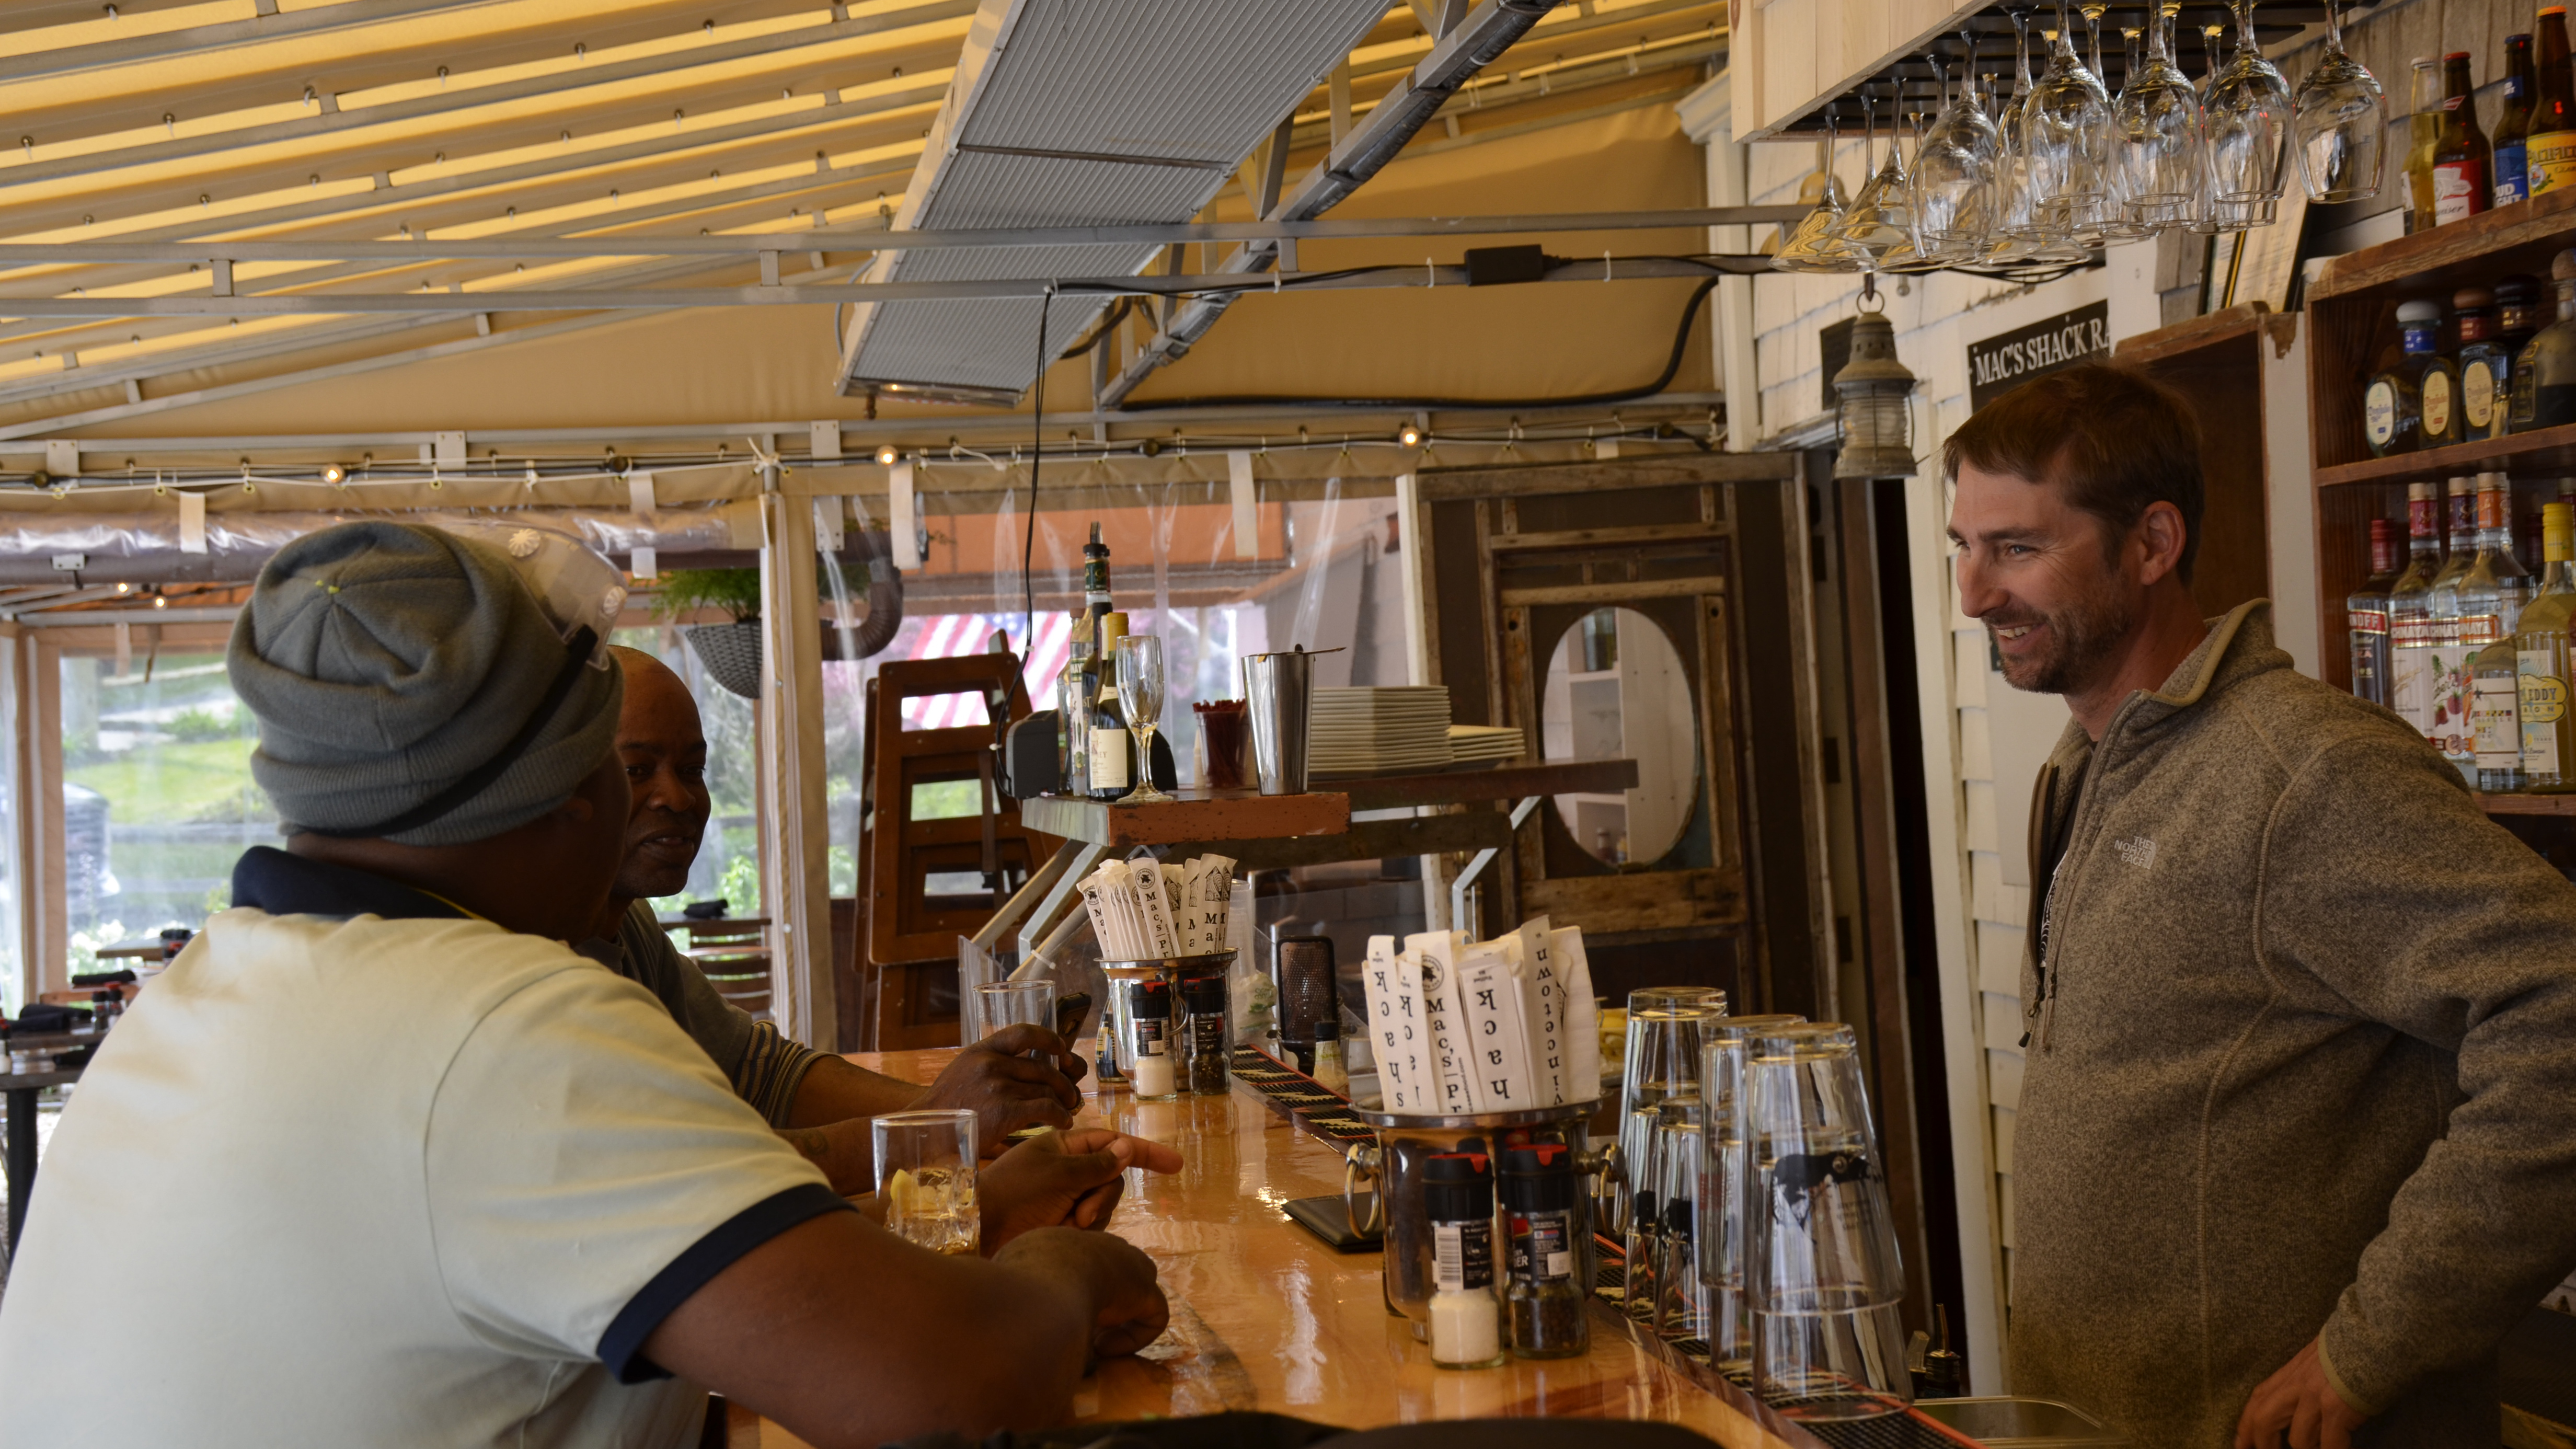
1543 1208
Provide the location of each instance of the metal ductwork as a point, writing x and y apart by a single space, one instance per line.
1479 40
1079 113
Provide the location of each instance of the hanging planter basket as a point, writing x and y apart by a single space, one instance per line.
731 654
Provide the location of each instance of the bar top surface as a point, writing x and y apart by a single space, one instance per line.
1265 1316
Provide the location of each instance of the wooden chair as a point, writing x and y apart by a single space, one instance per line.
909 968
735 956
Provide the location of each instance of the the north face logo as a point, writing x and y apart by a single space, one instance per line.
2137 850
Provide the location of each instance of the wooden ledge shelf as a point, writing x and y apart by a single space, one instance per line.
2521 237
1197 815
2528 804
2548 451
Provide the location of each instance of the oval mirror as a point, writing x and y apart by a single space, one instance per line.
1615 689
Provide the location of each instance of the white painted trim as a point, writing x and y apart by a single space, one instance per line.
2291 504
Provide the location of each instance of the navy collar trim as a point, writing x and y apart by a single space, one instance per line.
269 879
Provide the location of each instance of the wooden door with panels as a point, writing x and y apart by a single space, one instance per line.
1598 608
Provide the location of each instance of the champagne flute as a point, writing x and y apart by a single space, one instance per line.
2342 120
1140 693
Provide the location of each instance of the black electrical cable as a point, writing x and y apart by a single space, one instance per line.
1037 455
1672 366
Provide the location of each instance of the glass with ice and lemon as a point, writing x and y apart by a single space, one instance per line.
926 1177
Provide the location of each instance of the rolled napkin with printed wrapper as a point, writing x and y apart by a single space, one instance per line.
1460 1026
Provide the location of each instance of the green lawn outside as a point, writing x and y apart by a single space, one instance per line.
168 783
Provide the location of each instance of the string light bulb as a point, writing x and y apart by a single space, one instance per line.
1409 436
888 455
334 474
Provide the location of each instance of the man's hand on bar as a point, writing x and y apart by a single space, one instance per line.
850 1338
1064 1179
1007 1090
2300 1402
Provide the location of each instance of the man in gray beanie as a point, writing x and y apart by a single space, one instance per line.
385 1162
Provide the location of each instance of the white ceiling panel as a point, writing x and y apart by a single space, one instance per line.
1082 111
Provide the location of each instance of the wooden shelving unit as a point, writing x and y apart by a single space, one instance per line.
2352 331
2216 363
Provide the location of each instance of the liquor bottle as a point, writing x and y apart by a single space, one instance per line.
1073 706
2492 595
2546 367
2412 404
2540 645
2549 149
2448 719
2410 613
1095 585
2511 185
2486 368
2424 136
2517 318
2463 163
1113 751
2366 615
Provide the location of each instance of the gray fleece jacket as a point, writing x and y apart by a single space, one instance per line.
2302 1061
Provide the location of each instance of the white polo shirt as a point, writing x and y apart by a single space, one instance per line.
381 1182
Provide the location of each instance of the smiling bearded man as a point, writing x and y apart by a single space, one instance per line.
2296 1140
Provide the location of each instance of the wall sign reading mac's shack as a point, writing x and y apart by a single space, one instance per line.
1999 364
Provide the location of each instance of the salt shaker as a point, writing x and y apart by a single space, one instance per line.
1466 1320
1149 1020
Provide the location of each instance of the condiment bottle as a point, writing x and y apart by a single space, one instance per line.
1329 1073
1207 1049
1149 1024
1458 1198
1544 1207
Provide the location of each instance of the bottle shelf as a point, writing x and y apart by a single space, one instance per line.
2521 237
2544 452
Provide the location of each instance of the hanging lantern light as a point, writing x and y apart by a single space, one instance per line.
1873 397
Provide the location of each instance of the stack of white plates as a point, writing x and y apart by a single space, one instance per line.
1380 731
1483 744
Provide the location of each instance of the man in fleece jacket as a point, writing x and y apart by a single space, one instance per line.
2297 1138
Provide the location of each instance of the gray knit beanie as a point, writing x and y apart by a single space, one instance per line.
389 664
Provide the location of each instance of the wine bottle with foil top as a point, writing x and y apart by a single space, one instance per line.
2366 615
2410 614
2541 658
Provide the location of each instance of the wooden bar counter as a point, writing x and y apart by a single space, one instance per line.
1265 1316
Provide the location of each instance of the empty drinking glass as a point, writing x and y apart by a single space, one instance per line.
1667 1026
1140 693
2066 128
1954 177
2016 233
2342 120
1725 1178
2248 121
1017 1003
1829 1340
1881 218
2162 160
1681 1300
1816 244
926 1176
